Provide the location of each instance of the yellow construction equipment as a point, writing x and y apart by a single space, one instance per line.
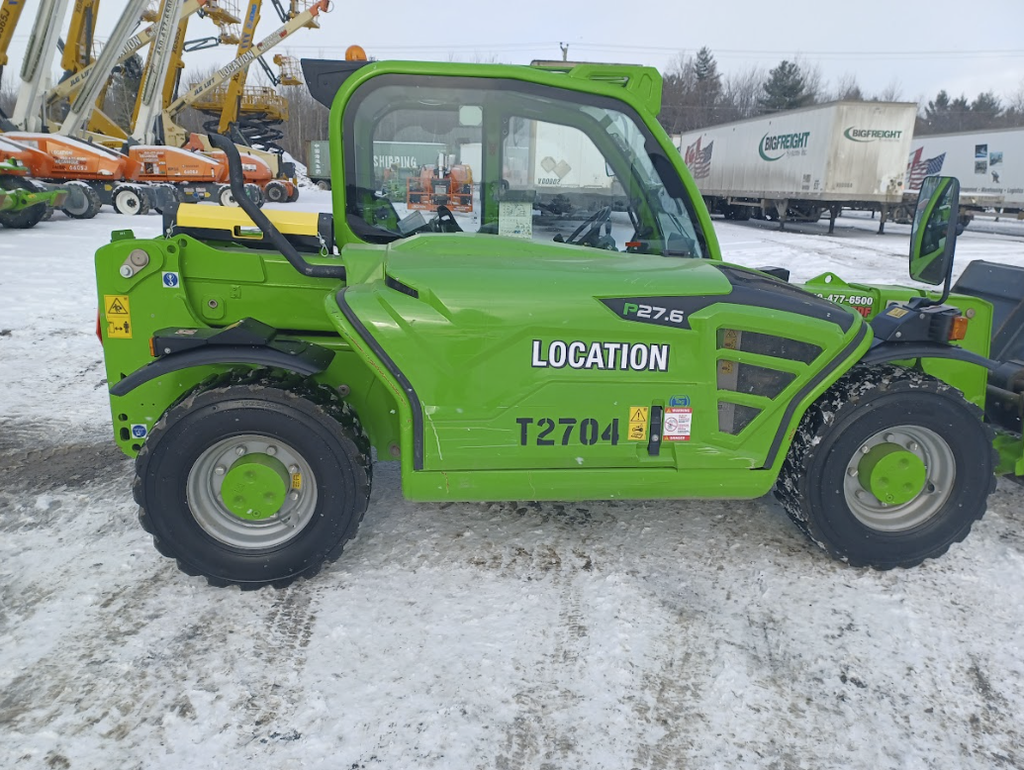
78 44
177 136
10 12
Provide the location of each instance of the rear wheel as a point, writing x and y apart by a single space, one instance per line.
252 484
82 202
889 468
294 196
276 192
129 200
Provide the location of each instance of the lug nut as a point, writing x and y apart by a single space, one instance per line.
293 495
220 470
271 450
240 451
293 468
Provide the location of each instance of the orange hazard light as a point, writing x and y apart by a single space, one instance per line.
959 328
355 53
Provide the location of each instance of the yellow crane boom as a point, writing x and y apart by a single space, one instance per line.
176 136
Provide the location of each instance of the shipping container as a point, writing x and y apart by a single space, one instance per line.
390 160
800 164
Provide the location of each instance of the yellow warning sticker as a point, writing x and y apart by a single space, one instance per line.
897 312
119 316
296 481
638 423
731 339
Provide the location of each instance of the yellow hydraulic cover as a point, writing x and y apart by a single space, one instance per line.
234 219
307 230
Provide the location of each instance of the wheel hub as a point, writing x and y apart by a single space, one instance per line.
252 492
892 474
255 487
899 478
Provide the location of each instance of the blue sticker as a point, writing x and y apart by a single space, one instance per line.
679 401
171 280
139 431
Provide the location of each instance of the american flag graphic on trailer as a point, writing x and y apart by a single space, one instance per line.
918 169
699 160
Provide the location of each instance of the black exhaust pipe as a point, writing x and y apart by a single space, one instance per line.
260 219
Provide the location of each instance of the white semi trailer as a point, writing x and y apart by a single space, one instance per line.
989 165
798 165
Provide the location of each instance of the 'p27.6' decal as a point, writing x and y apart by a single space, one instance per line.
661 311
548 431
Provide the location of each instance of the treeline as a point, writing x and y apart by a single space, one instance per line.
697 95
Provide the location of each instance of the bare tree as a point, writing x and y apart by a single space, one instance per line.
743 92
892 92
847 89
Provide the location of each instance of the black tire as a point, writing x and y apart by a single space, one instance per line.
82 202
312 433
294 196
255 194
25 218
881 409
276 192
165 197
129 200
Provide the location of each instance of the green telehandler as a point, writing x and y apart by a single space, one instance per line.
577 336
24 202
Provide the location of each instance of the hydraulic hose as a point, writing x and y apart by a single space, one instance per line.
270 232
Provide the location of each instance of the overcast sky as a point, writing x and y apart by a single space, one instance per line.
921 47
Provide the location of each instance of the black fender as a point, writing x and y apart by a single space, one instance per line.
305 360
884 352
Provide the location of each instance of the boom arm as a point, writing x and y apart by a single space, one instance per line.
233 97
84 102
176 136
28 111
69 85
9 14
151 91
78 45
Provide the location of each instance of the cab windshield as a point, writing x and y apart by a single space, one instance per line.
509 158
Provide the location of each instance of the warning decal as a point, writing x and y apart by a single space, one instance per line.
677 423
638 423
119 316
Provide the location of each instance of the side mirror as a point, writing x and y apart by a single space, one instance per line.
933 234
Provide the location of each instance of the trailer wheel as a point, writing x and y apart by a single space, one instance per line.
276 192
82 202
252 484
129 200
888 468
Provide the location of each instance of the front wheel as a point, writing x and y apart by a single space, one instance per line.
253 484
25 218
888 468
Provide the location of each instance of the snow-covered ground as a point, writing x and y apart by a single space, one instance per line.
610 635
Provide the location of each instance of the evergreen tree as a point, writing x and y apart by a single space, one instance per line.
785 89
708 88
986 109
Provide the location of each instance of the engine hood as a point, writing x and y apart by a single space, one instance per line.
466 270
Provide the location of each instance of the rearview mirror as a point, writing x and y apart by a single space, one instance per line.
933 234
